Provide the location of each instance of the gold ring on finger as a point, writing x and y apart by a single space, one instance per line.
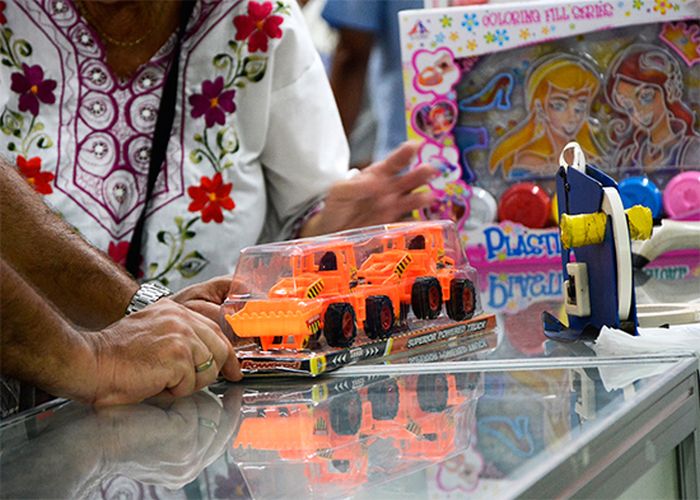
206 365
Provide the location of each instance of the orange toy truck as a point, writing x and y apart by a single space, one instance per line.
369 279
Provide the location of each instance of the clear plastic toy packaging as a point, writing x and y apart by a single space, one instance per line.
495 91
313 304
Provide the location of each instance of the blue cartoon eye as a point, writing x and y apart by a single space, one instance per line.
557 105
646 96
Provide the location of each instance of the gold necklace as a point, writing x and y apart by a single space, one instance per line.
105 36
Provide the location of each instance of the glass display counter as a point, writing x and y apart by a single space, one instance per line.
505 414
497 433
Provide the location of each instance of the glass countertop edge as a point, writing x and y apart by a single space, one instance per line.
685 367
507 364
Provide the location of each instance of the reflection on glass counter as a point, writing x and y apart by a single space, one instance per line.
520 296
376 427
432 434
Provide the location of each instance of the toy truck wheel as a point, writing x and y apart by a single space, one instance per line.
384 398
426 297
403 313
462 301
346 414
380 317
339 325
432 392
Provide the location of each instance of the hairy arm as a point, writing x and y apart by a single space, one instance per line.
37 345
154 351
80 280
348 72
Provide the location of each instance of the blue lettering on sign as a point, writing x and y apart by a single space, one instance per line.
520 245
525 287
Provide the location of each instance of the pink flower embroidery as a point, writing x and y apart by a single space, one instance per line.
32 87
3 19
213 102
259 25
31 170
210 197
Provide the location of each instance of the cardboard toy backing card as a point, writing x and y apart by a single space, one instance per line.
411 344
495 91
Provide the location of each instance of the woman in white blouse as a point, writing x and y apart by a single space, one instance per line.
225 107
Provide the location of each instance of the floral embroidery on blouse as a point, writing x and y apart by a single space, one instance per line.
112 147
26 132
213 102
33 88
258 26
210 197
217 140
31 171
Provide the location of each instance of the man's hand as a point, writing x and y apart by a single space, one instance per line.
380 194
206 297
156 351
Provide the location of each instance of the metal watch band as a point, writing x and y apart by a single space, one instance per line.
146 295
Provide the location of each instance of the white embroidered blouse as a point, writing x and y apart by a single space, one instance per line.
255 141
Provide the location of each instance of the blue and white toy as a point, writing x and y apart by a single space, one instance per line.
596 232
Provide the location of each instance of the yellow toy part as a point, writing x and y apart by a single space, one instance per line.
583 229
640 221
589 229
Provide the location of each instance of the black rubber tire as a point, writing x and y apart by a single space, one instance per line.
426 297
462 303
403 313
339 325
380 317
432 392
384 398
346 414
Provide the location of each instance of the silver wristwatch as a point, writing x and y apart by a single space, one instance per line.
146 295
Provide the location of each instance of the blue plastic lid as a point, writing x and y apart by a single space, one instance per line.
640 190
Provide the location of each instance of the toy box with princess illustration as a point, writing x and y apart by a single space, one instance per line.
495 91
302 303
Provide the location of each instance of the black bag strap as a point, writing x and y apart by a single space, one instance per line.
161 137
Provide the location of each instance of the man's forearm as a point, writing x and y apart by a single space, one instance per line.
90 289
38 346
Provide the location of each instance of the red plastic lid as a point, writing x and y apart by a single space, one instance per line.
526 203
682 196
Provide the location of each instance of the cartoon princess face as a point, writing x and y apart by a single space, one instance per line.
566 112
559 93
654 127
643 103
